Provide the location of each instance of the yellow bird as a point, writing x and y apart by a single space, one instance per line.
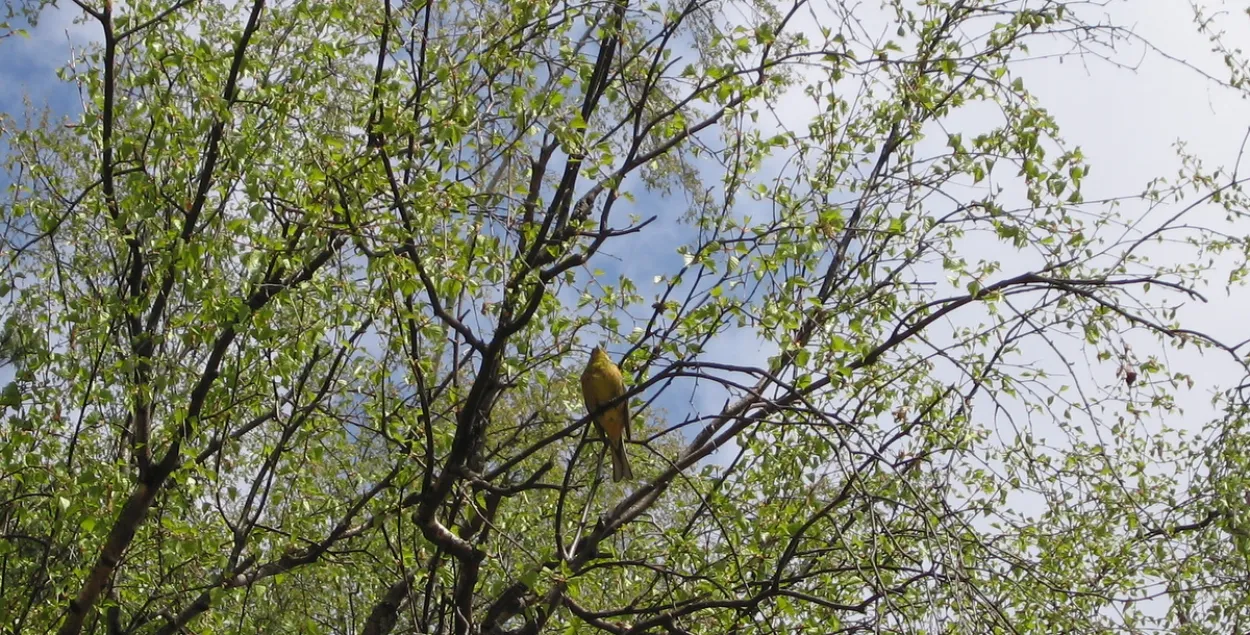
601 383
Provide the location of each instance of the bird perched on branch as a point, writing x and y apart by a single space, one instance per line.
601 383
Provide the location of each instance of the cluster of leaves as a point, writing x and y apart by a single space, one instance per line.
294 310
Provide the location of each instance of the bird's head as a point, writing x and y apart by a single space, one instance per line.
599 352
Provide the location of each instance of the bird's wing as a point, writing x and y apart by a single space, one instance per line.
619 381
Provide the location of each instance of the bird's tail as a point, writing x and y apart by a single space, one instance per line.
620 463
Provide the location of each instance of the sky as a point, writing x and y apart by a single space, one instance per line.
1126 113
1127 122
1126 116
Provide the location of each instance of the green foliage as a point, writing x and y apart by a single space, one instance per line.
295 307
